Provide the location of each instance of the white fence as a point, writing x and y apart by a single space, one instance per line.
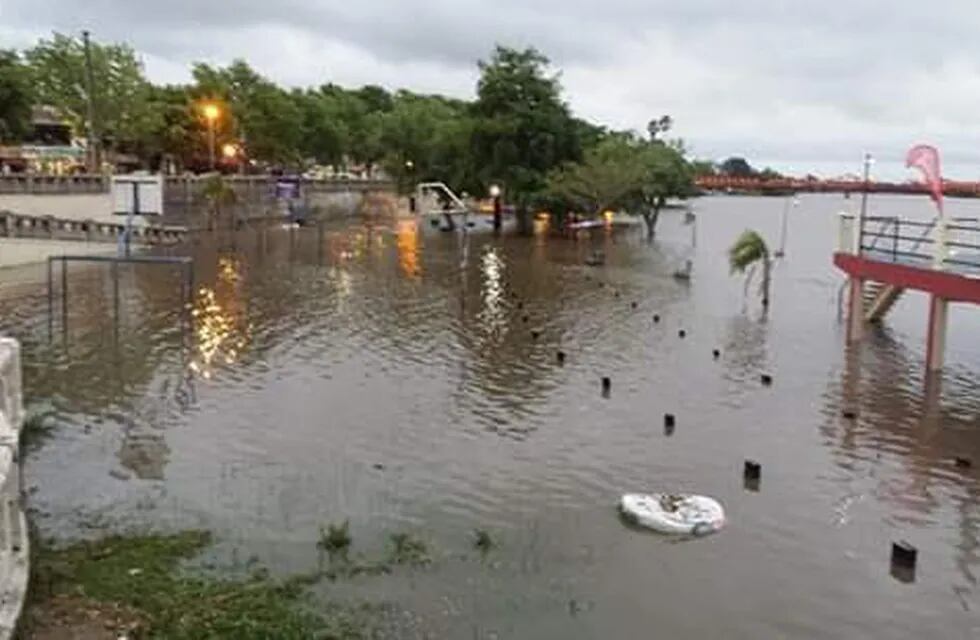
14 551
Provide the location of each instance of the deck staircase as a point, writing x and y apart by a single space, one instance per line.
879 298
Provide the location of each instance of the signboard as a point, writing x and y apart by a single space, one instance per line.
137 194
287 188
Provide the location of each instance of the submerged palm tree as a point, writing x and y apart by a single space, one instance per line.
747 252
216 193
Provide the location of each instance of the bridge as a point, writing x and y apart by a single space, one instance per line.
778 186
884 257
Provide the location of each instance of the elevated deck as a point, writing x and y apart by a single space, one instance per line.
885 257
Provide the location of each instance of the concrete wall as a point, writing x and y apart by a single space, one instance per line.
18 251
79 207
14 551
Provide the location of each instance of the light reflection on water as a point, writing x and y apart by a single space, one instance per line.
221 328
343 384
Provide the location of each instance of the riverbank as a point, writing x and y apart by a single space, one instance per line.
136 587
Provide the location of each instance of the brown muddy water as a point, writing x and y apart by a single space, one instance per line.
385 373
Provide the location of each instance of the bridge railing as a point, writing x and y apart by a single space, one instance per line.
14 542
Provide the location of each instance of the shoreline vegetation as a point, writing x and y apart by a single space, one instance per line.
137 586
517 133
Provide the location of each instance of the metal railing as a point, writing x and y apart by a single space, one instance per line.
14 542
953 246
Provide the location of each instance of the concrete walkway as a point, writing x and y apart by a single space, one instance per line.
20 251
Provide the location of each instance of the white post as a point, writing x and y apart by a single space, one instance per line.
941 248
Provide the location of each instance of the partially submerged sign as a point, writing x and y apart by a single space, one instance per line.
137 195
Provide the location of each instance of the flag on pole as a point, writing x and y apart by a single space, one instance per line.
925 158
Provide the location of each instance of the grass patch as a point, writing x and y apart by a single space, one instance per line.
408 549
141 576
483 541
335 539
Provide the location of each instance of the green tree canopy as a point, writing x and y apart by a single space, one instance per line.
623 172
120 92
264 117
16 97
749 250
737 167
523 129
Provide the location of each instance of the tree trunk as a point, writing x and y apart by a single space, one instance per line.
650 217
765 280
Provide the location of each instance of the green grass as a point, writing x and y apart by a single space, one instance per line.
144 574
483 541
408 549
335 539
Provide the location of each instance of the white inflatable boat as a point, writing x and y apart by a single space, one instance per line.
674 514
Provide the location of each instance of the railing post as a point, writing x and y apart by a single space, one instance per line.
942 238
895 241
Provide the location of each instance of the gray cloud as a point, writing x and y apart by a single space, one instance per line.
786 83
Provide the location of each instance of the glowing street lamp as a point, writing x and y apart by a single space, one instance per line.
498 210
211 113
229 150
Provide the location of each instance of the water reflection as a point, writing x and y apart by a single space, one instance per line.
493 315
408 247
221 327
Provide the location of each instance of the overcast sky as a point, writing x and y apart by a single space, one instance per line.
802 85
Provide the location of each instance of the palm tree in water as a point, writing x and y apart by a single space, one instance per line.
746 254
217 193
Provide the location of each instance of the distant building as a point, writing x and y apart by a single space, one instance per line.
49 148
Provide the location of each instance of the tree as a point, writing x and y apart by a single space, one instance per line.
736 167
659 126
413 134
747 252
264 117
16 97
610 174
217 193
522 127
666 175
623 172
120 92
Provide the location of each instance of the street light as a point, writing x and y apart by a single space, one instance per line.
498 220
868 163
211 114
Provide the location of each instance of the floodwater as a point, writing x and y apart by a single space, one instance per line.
389 374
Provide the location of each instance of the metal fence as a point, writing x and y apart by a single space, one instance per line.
14 541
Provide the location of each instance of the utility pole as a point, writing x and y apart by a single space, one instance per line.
94 157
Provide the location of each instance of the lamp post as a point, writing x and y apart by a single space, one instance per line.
498 220
409 168
868 162
211 114
94 156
